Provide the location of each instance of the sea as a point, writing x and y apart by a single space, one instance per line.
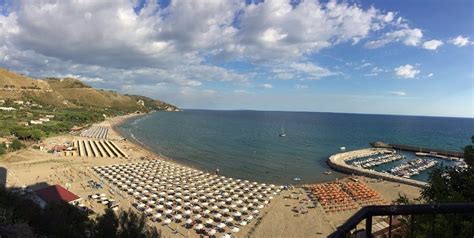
246 144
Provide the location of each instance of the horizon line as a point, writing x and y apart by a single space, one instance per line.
357 113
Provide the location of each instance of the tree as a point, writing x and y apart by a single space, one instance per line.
64 220
16 230
3 148
36 134
107 225
469 155
124 225
16 145
446 185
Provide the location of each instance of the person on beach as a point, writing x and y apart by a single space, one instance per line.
217 171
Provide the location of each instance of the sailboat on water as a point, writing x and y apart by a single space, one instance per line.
282 134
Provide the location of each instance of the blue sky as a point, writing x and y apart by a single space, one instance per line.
383 57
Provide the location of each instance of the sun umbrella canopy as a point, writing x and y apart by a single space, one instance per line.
199 227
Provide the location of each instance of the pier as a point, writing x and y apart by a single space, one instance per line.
378 144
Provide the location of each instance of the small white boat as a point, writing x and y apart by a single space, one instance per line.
296 179
343 148
282 134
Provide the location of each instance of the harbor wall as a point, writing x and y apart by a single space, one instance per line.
449 153
338 162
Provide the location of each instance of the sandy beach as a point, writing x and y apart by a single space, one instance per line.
290 213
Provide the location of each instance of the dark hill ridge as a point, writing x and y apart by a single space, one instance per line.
72 93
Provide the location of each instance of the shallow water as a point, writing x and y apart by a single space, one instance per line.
246 144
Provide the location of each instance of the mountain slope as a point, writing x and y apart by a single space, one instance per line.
72 93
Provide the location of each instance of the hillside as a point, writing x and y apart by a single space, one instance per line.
72 93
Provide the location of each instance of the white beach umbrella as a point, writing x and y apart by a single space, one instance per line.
198 216
237 214
221 225
235 230
217 215
212 232
198 227
209 221
167 221
178 217
243 223
249 218
157 215
229 219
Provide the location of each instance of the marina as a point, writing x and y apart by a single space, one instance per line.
413 167
375 161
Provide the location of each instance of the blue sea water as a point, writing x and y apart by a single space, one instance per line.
246 144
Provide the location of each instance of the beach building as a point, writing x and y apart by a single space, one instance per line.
7 109
19 102
44 119
36 122
55 193
49 116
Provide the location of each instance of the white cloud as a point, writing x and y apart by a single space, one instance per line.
240 91
266 85
273 35
430 75
410 37
398 93
301 86
460 41
366 64
82 78
406 71
432 44
109 45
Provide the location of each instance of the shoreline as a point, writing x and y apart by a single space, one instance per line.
115 122
34 169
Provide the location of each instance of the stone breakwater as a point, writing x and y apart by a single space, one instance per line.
338 162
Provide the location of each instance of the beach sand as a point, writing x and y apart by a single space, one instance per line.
35 169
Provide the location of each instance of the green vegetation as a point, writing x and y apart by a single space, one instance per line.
446 185
21 217
15 123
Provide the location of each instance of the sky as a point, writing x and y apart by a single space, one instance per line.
380 57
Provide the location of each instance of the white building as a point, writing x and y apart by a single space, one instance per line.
36 122
7 109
